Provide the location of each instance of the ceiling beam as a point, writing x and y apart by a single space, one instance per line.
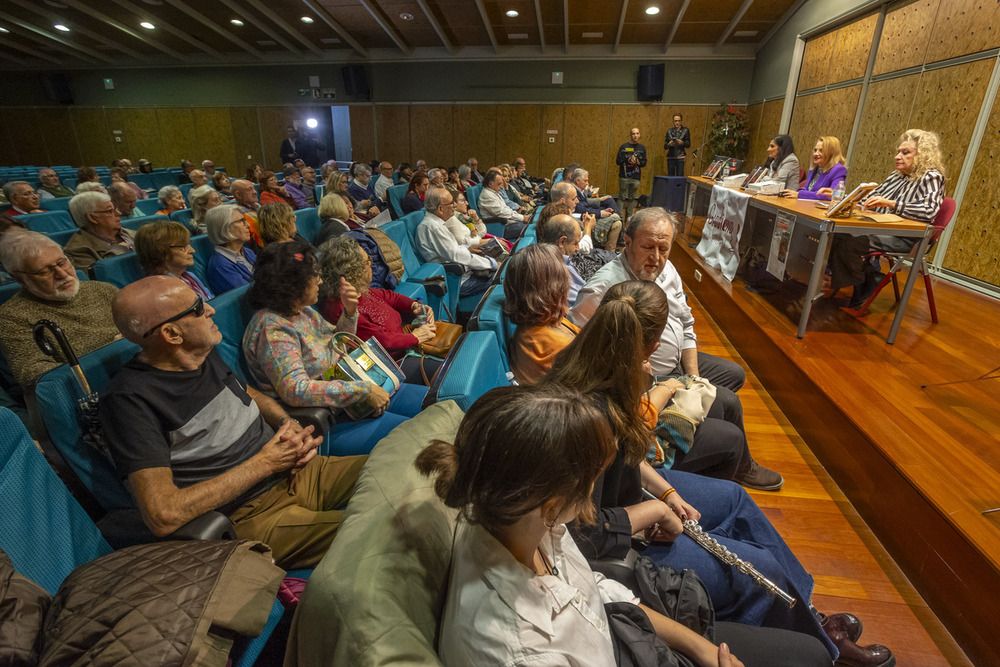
735 22
541 28
676 25
33 7
781 22
36 34
13 59
566 25
31 52
621 26
281 23
489 26
321 12
145 39
214 27
385 25
437 26
164 25
260 25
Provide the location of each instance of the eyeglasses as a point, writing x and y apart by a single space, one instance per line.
47 271
113 209
197 309
183 247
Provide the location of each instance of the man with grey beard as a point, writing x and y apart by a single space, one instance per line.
50 290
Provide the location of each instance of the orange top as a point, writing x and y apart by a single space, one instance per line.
534 348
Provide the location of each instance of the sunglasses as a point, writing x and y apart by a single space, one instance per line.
197 309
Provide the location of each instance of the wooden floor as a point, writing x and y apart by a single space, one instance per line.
852 570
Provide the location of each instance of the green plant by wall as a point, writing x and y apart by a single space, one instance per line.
729 133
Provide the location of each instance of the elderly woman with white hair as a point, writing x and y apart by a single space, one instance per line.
231 265
171 199
202 200
101 234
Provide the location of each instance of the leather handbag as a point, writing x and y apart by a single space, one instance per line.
363 361
446 336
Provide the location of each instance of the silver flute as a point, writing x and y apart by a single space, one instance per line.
693 530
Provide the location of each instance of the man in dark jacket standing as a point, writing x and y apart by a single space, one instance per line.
676 143
631 159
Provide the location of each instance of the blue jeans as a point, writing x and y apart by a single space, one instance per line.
349 438
733 518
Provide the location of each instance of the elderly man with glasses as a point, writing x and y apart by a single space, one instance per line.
50 290
101 233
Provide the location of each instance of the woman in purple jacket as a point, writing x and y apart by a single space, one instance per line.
828 169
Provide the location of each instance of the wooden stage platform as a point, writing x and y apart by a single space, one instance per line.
909 432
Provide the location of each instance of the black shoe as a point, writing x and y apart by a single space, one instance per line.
849 624
852 655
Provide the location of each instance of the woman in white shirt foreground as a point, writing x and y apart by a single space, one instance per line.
520 591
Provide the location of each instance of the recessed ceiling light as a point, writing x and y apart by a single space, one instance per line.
406 16
4 30
147 25
236 22
652 11
512 13
307 19
60 26
745 33
592 35
517 35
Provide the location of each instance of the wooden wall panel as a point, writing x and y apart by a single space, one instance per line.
974 247
141 137
887 112
754 113
214 134
695 118
476 133
806 125
26 138
964 26
179 142
623 119
431 134
815 70
905 35
61 147
839 109
273 121
363 133
246 139
393 123
551 154
587 139
948 101
518 132
118 123
770 121
94 136
850 54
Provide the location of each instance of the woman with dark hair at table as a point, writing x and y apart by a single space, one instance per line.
915 190
828 169
782 165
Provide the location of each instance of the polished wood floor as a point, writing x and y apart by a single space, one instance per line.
852 570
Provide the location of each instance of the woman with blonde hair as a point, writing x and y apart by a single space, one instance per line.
276 223
915 190
202 200
829 168
335 217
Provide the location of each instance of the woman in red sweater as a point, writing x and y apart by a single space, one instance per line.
381 313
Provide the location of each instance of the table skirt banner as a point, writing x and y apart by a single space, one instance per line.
720 238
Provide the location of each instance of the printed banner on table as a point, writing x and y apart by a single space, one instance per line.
720 238
784 223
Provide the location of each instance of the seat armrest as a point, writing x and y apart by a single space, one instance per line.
621 570
125 527
320 418
454 268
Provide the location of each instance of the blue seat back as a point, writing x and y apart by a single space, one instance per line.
61 237
162 179
183 216
472 195
395 195
119 270
144 181
185 189
398 231
473 368
489 316
44 530
57 394
149 206
50 221
308 223
203 250
55 204
136 223
232 316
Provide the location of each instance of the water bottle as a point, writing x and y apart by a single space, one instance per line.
725 171
422 317
838 193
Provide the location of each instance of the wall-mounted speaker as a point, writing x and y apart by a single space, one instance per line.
355 81
56 87
649 86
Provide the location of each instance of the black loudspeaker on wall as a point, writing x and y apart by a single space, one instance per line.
355 81
57 89
649 86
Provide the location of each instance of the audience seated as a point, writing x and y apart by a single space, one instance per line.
50 187
563 232
90 186
782 164
466 226
647 246
120 175
416 191
436 244
245 198
293 187
513 196
605 232
829 168
309 185
145 166
189 438
421 165
403 173
185 176
474 176
7 225
491 205
276 223
565 193
221 183
123 198
22 198
453 182
203 199
164 249
231 263
171 199
382 313
384 180
335 218
362 191
101 234
437 177
50 290
287 343
88 175
271 192
254 172
464 176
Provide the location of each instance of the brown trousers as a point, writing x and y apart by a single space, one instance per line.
297 517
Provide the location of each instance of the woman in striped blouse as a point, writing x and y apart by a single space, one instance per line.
914 190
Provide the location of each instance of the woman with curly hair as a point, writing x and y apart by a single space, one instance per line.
915 190
287 348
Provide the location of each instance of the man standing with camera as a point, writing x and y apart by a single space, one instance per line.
631 159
